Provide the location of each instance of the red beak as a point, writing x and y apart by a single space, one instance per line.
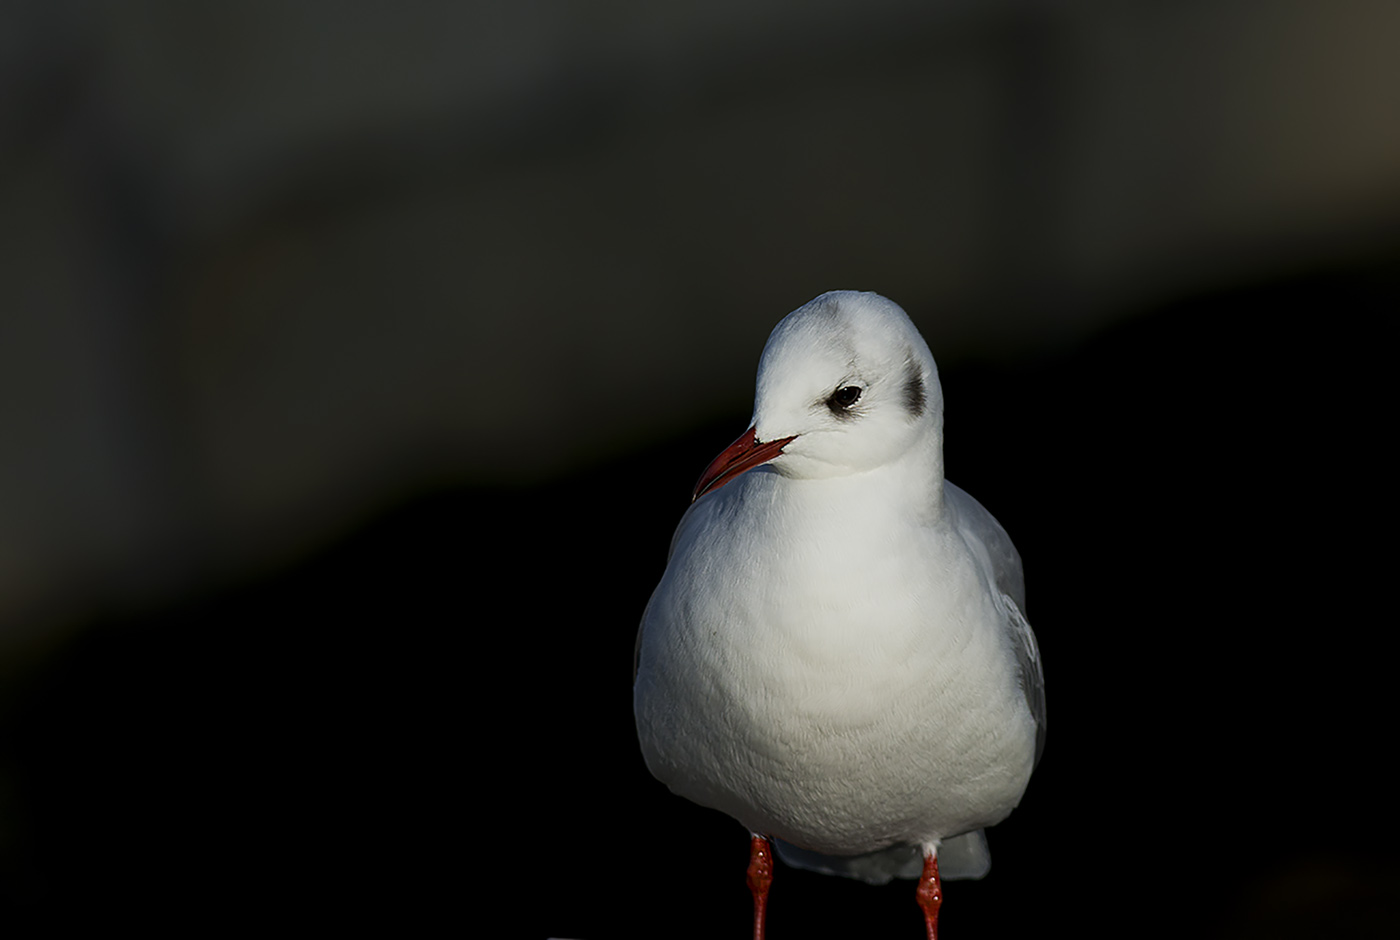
744 453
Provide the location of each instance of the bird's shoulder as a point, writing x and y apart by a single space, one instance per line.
988 540
992 546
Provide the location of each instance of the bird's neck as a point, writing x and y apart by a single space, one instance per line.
910 487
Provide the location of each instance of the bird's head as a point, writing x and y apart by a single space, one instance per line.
846 384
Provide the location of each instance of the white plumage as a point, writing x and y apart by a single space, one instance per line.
836 655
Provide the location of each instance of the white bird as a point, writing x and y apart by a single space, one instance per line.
836 655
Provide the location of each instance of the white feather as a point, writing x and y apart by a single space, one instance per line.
836 655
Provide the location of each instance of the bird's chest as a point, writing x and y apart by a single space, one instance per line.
797 675
817 631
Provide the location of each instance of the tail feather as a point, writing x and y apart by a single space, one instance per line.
961 857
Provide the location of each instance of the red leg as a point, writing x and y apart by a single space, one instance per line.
930 892
760 879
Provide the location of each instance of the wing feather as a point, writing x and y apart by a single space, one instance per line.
986 538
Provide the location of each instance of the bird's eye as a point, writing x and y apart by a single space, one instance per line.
843 398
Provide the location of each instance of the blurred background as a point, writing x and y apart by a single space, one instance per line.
356 362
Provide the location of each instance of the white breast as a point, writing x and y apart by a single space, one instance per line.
831 674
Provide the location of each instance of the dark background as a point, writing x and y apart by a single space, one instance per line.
348 419
429 722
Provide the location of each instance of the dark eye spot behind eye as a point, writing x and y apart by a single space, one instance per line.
843 399
914 397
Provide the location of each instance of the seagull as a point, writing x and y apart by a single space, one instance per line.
837 655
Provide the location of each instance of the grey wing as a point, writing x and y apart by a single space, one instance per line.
1032 678
985 536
